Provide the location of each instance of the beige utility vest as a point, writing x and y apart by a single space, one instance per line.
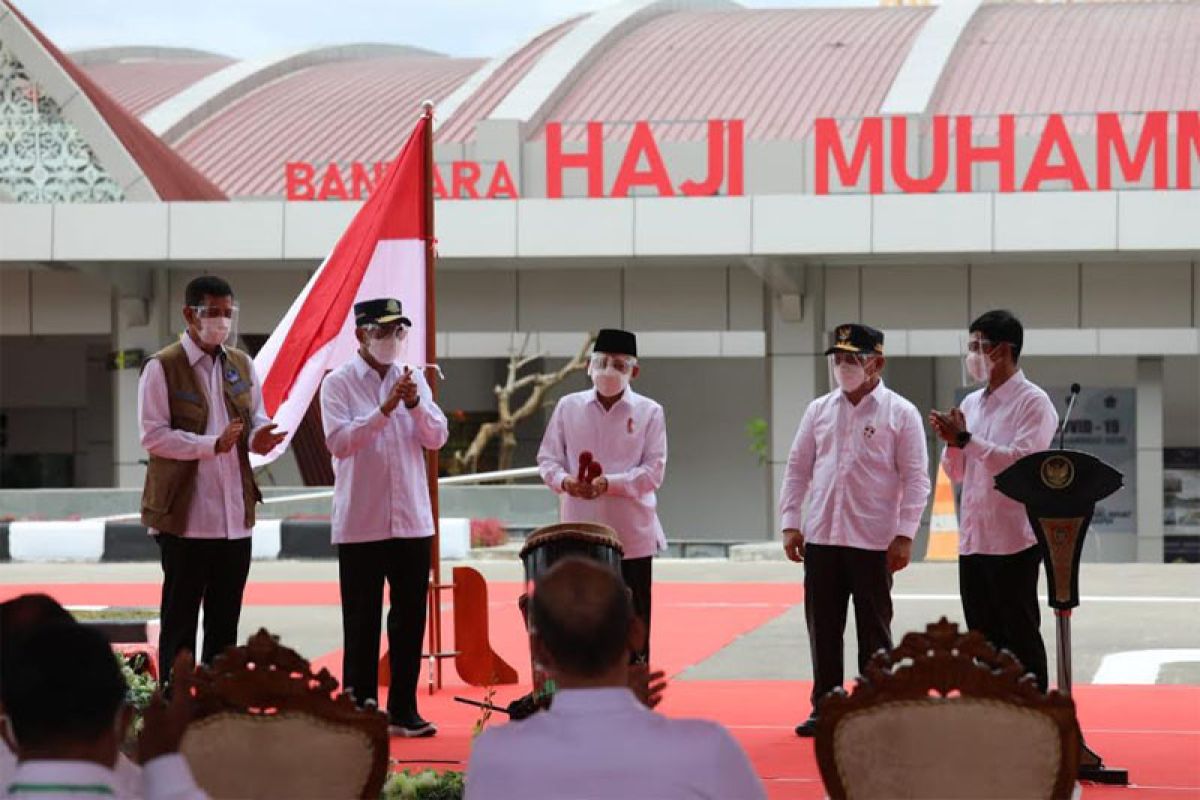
170 483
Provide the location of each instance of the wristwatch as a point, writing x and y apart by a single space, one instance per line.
962 439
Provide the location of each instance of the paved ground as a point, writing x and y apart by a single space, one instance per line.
1127 607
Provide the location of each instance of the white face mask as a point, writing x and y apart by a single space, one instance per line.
385 350
214 331
849 377
978 367
609 382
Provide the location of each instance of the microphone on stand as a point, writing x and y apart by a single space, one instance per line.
1062 426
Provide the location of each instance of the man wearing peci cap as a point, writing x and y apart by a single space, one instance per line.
379 419
856 482
625 435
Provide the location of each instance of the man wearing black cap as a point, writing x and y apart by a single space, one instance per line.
860 460
379 419
622 439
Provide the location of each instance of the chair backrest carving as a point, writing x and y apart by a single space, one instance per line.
266 726
947 715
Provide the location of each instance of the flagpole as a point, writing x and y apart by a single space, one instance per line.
431 457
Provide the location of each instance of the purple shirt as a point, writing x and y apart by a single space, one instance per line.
380 489
630 442
1005 425
864 470
597 744
218 507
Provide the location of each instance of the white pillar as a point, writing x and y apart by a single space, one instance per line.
1150 459
141 321
796 373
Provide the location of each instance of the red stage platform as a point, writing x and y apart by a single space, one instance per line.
1153 731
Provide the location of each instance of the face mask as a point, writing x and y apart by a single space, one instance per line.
214 331
849 376
385 350
609 383
977 367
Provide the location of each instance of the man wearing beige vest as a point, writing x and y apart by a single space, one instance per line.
201 417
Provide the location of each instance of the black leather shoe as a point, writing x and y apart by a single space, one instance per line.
808 728
410 727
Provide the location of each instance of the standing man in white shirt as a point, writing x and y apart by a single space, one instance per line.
597 740
856 482
626 435
380 418
996 426
201 416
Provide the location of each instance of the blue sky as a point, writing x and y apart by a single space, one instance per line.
253 28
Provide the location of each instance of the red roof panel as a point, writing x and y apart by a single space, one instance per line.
344 111
776 69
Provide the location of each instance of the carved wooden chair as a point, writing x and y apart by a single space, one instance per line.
944 715
266 727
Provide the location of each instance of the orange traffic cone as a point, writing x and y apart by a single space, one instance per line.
943 521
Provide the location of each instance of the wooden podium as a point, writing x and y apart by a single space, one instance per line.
1060 489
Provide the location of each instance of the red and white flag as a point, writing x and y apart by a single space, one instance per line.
381 254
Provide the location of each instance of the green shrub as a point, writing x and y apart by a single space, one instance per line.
424 785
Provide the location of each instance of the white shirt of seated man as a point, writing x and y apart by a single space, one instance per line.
598 741
71 766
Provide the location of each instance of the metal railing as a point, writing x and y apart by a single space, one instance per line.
322 494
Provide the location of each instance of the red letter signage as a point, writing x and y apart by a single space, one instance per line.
967 154
591 160
868 149
1110 138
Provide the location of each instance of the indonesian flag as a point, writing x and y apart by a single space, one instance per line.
381 254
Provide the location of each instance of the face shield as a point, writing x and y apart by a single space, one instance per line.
216 324
385 342
977 355
611 372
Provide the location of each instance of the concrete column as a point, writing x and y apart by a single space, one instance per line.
1150 459
141 321
796 372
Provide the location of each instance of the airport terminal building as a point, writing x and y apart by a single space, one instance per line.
729 183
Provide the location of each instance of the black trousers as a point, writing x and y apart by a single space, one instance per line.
1000 600
362 570
638 575
211 572
833 575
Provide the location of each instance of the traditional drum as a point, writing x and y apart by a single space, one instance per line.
545 547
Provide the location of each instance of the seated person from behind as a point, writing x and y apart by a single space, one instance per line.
64 697
597 740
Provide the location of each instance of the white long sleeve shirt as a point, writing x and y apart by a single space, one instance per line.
629 441
167 777
863 469
1005 426
380 485
218 508
602 744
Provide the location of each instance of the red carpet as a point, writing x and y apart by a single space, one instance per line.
1153 731
1156 735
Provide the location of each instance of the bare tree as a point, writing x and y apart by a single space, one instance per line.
538 383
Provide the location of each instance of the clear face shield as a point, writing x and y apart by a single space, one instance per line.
387 343
216 323
611 372
849 371
977 355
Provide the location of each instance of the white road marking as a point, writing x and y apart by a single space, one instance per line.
1110 598
1140 666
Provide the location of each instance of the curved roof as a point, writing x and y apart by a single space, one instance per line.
169 175
343 111
461 126
1087 58
776 69
139 83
